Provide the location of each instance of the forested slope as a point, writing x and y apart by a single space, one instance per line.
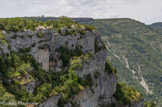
135 49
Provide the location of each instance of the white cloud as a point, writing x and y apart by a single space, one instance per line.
147 11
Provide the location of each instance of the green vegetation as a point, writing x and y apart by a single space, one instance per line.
22 24
138 45
17 24
90 28
97 48
71 83
40 35
14 37
87 82
14 72
25 50
2 38
18 70
150 104
67 54
125 94
158 24
69 87
5 96
109 68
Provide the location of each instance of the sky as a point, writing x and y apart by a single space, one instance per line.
146 11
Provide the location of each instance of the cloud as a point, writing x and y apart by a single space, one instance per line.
147 11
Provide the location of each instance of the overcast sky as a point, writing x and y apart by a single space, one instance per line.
147 11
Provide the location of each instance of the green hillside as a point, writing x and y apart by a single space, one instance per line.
136 51
156 25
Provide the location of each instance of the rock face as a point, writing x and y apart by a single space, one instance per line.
51 102
43 58
40 46
86 42
139 103
104 85
43 48
30 86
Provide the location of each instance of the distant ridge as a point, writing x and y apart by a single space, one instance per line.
157 25
79 19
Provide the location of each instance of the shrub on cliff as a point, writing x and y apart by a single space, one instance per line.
67 54
15 67
40 34
2 38
125 94
89 27
150 104
5 96
109 68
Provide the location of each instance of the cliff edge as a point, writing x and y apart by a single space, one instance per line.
58 69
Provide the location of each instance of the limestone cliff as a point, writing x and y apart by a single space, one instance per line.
43 44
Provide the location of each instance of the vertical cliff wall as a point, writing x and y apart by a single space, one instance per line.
43 45
43 58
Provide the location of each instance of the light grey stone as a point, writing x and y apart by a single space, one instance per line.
30 86
50 102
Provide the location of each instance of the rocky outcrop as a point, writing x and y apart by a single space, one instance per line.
86 42
42 45
33 44
100 94
104 85
50 39
30 86
50 102
43 58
